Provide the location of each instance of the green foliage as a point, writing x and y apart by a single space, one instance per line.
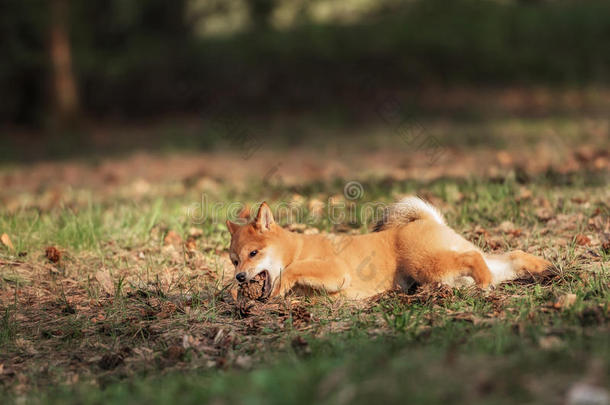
8 325
141 58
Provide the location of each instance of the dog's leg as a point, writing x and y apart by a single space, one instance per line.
447 266
475 267
323 275
515 264
525 263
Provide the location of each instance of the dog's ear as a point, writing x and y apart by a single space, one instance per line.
242 218
245 213
232 226
264 218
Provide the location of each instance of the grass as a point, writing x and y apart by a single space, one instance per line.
138 309
393 370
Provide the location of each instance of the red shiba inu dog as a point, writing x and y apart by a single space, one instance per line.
412 242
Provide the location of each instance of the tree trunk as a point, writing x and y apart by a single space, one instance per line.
260 13
65 94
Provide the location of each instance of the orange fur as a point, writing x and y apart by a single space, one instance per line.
413 243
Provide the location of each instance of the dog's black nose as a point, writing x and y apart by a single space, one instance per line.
241 277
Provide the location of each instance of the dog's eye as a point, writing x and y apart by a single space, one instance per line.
253 253
235 262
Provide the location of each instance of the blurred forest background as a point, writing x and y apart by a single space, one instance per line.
69 68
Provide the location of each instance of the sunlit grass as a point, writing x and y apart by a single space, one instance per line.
434 346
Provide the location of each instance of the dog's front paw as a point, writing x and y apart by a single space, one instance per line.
281 287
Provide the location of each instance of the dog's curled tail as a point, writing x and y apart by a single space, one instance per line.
408 210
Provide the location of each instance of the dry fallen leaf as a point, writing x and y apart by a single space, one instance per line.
195 232
582 240
524 194
515 232
585 153
297 199
25 345
191 244
188 341
479 230
565 301
243 361
6 241
105 281
506 226
504 158
52 254
316 207
550 342
172 238
544 214
175 353
494 243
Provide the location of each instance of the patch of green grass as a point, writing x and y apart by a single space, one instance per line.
457 363
512 344
8 325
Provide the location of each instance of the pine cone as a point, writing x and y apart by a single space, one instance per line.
252 289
